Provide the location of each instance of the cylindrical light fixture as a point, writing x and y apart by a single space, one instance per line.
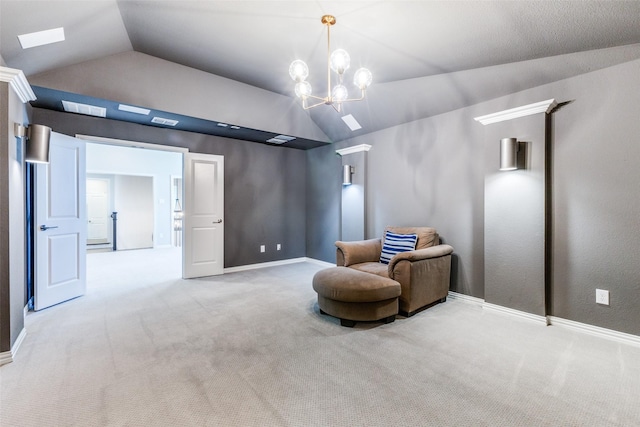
347 170
38 144
508 154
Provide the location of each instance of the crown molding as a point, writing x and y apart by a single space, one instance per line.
354 149
514 113
18 82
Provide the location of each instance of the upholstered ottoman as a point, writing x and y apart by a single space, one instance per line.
353 295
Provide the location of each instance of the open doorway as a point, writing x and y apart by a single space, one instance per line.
130 202
202 251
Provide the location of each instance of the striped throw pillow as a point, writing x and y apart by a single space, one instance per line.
396 243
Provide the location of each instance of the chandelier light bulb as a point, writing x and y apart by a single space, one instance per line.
340 61
339 93
303 89
362 78
298 70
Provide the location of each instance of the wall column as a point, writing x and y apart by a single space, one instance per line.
515 211
353 214
15 92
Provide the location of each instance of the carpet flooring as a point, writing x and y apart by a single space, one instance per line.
146 348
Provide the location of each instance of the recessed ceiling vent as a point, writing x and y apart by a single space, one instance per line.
163 121
86 109
134 109
281 139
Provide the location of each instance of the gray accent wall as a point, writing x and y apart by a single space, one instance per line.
596 198
429 172
432 172
265 186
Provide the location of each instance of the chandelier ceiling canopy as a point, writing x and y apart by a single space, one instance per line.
339 62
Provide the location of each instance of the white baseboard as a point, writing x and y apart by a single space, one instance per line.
5 357
320 263
263 265
277 263
498 308
515 313
9 356
465 298
596 331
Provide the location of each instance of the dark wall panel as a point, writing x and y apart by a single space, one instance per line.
324 186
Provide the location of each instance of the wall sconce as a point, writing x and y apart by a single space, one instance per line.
38 142
508 154
347 171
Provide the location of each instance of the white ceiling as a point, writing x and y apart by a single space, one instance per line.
427 57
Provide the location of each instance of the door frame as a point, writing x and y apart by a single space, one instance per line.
107 212
159 147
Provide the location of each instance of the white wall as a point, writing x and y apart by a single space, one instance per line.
161 165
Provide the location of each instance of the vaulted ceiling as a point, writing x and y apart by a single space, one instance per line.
427 57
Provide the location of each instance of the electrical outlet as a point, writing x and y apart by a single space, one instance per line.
602 297
262 248
278 247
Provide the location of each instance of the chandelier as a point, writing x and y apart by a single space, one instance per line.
338 61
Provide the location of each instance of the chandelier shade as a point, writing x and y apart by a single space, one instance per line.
338 61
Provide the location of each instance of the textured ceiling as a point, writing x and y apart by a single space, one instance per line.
427 57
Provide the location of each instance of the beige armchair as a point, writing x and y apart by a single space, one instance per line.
423 273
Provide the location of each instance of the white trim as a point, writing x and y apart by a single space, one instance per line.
19 340
466 298
134 144
18 82
515 313
320 262
9 356
514 113
263 265
354 149
5 357
597 331
277 263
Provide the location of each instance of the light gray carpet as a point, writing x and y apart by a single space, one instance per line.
145 348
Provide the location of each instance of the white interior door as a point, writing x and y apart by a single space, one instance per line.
61 223
98 210
203 248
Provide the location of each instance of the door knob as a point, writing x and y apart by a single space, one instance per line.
45 228
217 222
